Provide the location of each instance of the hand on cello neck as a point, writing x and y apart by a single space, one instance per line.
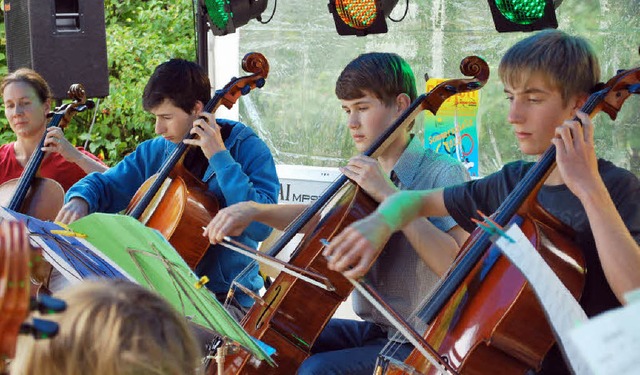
205 134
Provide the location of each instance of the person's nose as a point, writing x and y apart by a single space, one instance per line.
160 128
19 110
353 121
516 112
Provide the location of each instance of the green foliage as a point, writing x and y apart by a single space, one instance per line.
140 35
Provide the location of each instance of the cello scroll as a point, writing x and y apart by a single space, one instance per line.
254 63
79 104
469 66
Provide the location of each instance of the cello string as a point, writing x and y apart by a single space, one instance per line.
415 320
399 326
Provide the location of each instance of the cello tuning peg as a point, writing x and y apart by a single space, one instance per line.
635 89
48 305
260 83
40 328
245 90
474 85
451 88
90 104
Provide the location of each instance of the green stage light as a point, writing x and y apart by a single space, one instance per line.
225 16
524 15
361 17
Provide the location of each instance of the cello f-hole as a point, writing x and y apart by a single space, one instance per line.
260 322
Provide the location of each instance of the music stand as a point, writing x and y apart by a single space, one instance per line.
119 246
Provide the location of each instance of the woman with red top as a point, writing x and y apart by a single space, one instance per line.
27 100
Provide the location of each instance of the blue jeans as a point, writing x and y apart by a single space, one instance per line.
348 347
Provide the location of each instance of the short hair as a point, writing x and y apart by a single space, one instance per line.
181 81
111 327
567 62
385 75
30 77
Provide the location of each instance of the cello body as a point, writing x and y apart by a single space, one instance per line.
37 196
43 200
179 210
282 318
481 328
175 201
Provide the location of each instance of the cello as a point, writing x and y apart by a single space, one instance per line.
18 261
480 313
175 201
292 313
27 193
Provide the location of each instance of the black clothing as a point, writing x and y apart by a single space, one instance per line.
486 194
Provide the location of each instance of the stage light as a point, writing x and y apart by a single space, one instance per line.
361 17
225 16
524 15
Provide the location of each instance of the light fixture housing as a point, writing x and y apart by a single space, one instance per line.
225 16
524 15
361 17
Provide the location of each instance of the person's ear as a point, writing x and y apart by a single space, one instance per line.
197 108
47 106
402 102
579 102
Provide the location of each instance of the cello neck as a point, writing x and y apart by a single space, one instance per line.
296 226
31 169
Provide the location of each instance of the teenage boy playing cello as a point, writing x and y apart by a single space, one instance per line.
374 90
234 167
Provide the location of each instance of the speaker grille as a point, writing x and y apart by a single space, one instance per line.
18 34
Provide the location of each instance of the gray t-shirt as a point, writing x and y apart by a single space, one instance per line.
399 275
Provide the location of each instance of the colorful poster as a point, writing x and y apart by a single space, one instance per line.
453 129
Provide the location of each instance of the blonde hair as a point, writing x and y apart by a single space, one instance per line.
567 62
111 327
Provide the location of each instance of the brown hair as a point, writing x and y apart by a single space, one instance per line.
567 62
181 81
385 75
111 327
31 78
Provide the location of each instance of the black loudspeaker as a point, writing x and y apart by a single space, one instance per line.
62 40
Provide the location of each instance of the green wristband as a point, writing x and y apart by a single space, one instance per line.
400 209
